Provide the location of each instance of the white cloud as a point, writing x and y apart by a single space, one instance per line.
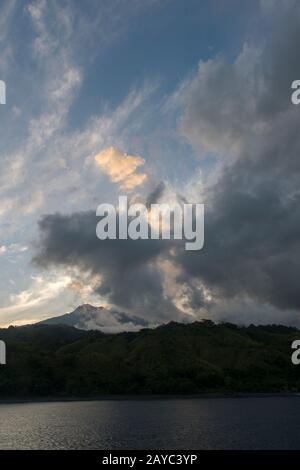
42 290
121 168
12 248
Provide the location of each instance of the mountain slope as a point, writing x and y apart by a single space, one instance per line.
62 361
88 317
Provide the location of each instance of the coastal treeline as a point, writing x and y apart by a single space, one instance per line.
62 361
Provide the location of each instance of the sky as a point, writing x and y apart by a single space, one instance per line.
154 99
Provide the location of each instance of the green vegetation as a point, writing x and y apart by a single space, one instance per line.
62 361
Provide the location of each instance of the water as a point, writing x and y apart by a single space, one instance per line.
205 423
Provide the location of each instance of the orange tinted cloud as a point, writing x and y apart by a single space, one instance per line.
121 168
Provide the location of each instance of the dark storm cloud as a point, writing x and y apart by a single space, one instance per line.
130 278
252 227
156 194
252 246
279 64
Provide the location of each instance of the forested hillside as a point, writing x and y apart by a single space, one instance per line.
62 361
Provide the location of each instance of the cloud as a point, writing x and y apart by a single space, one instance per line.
12 248
215 117
156 194
121 168
242 112
105 319
42 290
128 270
229 102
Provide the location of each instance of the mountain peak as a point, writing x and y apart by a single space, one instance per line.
87 307
89 317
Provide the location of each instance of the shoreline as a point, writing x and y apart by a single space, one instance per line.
12 401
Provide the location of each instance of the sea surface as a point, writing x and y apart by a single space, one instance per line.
200 423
